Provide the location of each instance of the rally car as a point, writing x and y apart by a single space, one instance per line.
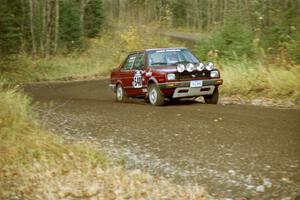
165 73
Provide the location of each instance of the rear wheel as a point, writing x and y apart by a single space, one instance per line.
155 96
120 93
212 99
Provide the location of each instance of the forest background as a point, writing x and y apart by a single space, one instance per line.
255 44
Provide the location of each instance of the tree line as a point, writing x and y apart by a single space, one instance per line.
243 25
43 27
205 14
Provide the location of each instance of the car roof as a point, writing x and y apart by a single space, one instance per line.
157 49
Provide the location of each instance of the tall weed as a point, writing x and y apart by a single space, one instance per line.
255 79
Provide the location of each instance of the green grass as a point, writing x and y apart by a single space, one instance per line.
35 164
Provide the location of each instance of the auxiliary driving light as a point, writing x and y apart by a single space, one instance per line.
210 66
200 67
180 68
190 67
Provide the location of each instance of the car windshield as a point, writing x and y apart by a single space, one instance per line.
170 57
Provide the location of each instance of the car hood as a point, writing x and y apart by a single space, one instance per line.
166 69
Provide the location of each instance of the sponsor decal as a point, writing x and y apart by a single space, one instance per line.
137 80
167 50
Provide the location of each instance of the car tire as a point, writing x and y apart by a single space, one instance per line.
212 99
155 96
120 93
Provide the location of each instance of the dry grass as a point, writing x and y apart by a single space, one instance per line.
243 78
39 165
256 80
101 56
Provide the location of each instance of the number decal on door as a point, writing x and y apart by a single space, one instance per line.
137 80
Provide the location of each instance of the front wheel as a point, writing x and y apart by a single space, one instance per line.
120 93
212 99
155 96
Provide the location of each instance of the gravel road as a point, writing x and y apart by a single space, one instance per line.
234 151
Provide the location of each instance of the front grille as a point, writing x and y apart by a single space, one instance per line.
192 75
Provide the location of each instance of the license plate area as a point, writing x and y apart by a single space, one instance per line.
197 83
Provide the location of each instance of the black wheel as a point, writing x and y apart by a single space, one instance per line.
212 99
120 94
155 96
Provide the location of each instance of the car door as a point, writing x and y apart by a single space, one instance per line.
127 73
138 82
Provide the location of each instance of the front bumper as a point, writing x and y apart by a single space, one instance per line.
207 82
183 89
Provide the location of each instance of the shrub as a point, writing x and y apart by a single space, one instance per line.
293 48
231 41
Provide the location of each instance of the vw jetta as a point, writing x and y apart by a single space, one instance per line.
172 73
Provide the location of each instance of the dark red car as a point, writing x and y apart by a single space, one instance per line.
172 73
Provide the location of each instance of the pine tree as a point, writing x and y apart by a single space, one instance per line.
93 18
69 24
10 27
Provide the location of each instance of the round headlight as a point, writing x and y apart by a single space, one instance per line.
180 68
210 66
214 74
190 67
200 67
171 77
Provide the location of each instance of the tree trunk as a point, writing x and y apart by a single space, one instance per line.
22 26
82 8
47 27
56 36
50 26
44 27
32 26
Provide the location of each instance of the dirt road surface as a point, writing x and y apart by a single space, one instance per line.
234 151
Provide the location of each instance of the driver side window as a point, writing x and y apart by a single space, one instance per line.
129 62
139 61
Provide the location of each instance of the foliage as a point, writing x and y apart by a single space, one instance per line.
102 55
231 41
70 32
44 27
178 12
249 26
293 48
9 28
93 18
235 41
